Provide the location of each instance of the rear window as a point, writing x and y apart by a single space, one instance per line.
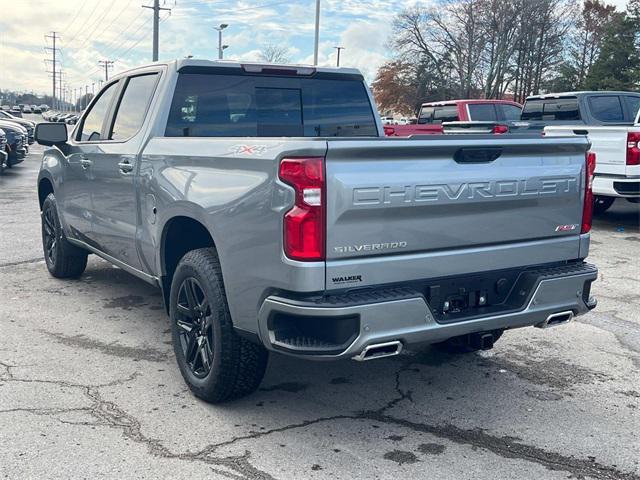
606 108
445 114
220 105
482 112
551 109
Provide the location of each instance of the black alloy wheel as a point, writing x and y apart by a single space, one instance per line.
195 327
50 234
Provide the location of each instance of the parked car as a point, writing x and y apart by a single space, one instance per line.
16 112
44 107
26 109
4 155
617 147
28 125
16 142
72 119
387 120
5 107
288 223
36 109
432 115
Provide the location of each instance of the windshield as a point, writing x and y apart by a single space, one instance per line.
220 105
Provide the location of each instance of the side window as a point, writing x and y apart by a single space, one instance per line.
511 113
606 108
91 130
633 105
133 106
445 114
426 115
482 112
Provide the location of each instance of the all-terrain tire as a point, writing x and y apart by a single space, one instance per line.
63 259
235 366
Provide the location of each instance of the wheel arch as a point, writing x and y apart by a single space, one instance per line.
45 187
180 235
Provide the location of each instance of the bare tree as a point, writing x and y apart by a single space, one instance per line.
272 53
459 34
590 29
488 48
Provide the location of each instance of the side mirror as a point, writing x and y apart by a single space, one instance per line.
50 134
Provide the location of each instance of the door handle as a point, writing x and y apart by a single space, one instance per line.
85 162
125 166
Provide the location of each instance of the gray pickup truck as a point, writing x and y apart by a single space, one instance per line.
270 209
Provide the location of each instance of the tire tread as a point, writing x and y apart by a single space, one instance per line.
242 363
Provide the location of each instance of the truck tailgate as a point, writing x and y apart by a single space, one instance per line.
448 196
609 144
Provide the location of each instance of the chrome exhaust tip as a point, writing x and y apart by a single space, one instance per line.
379 350
556 319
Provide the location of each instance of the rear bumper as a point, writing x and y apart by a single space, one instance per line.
403 314
614 186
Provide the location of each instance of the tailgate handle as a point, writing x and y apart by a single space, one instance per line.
581 132
477 155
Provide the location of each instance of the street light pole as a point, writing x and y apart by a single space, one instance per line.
317 39
221 47
338 49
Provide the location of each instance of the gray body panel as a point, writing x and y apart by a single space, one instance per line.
457 228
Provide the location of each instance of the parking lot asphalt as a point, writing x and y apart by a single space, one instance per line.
89 387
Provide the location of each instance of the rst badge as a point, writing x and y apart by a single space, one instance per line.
566 228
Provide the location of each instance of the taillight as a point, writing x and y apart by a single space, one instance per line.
587 211
499 129
304 224
633 148
389 131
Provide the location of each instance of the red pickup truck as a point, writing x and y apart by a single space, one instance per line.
433 115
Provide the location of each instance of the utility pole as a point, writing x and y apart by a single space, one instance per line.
107 64
317 40
54 36
86 96
338 49
156 25
60 91
220 46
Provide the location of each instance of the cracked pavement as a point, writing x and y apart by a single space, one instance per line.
89 387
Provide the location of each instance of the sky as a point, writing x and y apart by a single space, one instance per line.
120 30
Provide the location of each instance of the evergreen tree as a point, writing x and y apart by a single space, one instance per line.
618 64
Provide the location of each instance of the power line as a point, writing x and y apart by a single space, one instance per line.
257 7
95 38
124 54
91 27
66 29
84 24
113 42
